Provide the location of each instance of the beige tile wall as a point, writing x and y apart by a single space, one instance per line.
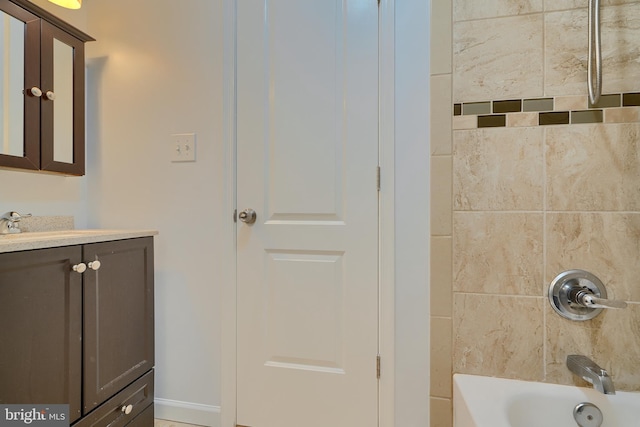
514 207
441 213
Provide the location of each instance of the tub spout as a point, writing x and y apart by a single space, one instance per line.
589 371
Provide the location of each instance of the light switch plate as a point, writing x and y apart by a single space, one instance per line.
182 147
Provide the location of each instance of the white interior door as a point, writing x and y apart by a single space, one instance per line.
307 131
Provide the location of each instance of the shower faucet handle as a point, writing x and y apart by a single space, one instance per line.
579 295
586 298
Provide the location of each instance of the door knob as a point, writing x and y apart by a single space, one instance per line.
248 216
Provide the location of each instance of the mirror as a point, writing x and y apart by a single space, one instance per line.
63 105
11 85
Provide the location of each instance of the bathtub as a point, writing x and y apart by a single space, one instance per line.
495 402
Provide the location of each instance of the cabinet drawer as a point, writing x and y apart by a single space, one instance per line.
145 419
112 413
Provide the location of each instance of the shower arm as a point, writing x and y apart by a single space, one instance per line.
595 53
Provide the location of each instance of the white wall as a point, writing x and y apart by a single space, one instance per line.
156 70
412 212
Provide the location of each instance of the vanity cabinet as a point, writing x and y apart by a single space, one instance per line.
83 338
43 81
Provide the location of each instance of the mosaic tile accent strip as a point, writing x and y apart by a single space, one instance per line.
561 110
510 106
473 108
542 104
622 115
554 118
607 101
631 99
492 121
588 116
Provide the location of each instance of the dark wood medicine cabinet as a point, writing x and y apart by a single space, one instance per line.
42 107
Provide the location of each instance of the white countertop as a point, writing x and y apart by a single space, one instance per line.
50 239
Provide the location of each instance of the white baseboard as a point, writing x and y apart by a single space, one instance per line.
188 413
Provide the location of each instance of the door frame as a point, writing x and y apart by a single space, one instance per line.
386 262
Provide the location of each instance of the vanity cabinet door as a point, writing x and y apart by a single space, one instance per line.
118 317
41 333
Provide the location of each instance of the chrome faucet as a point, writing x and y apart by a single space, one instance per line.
589 371
9 222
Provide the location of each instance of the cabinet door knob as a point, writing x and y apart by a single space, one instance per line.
126 409
50 95
80 268
35 91
94 265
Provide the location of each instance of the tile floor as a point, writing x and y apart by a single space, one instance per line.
167 423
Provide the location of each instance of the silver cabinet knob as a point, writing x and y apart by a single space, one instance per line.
50 95
94 265
80 268
248 216
126 409
35 91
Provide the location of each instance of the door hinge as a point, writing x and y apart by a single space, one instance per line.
378 367
378 178
235 215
